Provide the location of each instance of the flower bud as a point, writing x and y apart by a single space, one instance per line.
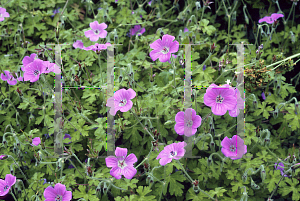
209 160
198 5
244 177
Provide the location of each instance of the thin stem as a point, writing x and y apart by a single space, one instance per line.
100 68
13 195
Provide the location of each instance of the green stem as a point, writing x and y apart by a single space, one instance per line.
13 195
100 68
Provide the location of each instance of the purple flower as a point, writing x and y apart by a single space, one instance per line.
281 168
67 136
174 56
137 30
187 121
172 151
270 19
263 96
220 99
45 181
204 67
234 147
141 16
6 184
28 60
55 11
2 157
163 48
240 105
36 141
78 44
9 78
98 47
57 193
50 67
121 101
116 1
34 70
185 30
149 3
97 31
3 14
121 165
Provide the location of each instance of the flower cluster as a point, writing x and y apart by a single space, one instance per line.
3 14
32 68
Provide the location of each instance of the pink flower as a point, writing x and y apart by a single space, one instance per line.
234 147
28 60
3 14
9 78
98 47
121 165
174 56
6 184
2 157
137 30
50 67
97 31
220 99
270 19
57 193
34 70
121 101
187 121
240 105
172 151
36 141
185 30
163 48
78 44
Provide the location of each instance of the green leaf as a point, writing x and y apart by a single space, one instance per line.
143 191
175 186
81 193
272 179
292 187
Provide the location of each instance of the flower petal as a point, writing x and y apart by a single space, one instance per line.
116 172
94 25
164 57
121 152
10 179
156 45
165 160
127 107
167 40
129 172
50 193
155 54
111 161
60 189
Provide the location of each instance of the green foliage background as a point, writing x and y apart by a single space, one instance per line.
159 101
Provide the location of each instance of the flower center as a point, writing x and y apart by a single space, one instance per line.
96 31
123 102
5 188
165 50
271 19
232 148
58 198
47 68
219 99
189 123
121 164
173 154
11 78
36 72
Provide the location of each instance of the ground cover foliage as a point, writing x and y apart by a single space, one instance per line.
271 99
